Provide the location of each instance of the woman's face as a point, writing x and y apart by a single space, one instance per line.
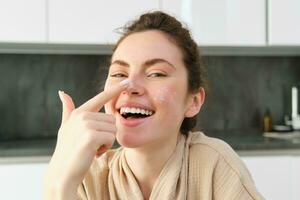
158 86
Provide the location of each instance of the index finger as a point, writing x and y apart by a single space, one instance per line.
97 102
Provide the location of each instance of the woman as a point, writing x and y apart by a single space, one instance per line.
154 90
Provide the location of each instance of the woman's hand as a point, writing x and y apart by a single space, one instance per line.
84 133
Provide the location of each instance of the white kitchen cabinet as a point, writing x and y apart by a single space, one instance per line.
23 21
296 177
273 176
284 22
22 181
222 22
93 21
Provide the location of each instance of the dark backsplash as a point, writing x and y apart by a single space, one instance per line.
241 89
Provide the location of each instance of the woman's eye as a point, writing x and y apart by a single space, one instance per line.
118 75
157 74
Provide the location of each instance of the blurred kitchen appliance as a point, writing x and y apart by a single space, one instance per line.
295 120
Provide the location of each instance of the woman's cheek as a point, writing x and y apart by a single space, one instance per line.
165 95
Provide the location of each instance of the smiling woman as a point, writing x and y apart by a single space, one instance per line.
153 92
159 84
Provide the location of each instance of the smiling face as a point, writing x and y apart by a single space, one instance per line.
157 92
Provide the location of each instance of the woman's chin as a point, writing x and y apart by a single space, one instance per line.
130 140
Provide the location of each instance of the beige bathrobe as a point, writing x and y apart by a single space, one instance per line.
201 168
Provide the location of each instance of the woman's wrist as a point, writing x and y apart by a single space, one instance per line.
60 186
65 191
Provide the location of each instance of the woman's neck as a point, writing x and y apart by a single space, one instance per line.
147 163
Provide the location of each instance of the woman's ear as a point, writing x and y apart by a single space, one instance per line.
195 103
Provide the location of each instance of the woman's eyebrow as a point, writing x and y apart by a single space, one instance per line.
155 61
145 64
120 62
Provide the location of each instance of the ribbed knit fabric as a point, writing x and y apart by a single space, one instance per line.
201 168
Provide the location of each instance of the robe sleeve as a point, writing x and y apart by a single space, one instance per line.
81 194
232 180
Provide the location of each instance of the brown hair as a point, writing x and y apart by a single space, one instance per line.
161 21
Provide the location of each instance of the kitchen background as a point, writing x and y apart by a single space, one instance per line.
252 54
241 89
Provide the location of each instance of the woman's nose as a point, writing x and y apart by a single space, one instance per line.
135 87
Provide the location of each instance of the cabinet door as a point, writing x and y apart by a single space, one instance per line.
93 21
222 22
272 176
296 177
22 181
284 22
23 21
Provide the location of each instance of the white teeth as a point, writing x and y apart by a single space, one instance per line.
125 110
133 110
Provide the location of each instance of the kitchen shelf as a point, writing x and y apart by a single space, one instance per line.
95 49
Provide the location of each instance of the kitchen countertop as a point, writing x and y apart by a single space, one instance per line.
257 142
21 148
250 143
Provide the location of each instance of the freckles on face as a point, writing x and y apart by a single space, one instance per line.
165 95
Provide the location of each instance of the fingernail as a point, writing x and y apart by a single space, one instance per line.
125 82
60 93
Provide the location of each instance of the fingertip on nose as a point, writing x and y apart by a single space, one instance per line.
125 82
